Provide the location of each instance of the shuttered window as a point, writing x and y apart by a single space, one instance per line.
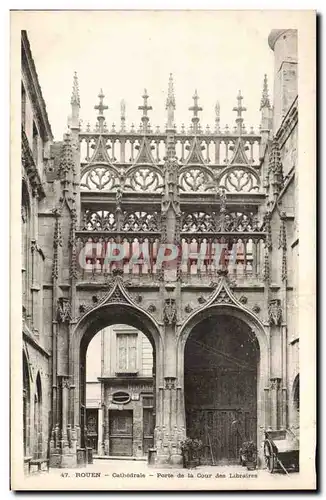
127 352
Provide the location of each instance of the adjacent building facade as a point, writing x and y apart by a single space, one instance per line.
189 237
36 344
119 393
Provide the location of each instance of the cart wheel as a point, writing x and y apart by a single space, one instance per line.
269 456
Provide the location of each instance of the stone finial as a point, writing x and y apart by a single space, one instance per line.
171 98
145 108
101 107
264 102
170 104
239 110
217 116
195 109
123 115
75 99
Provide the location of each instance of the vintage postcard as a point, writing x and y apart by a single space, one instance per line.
162 220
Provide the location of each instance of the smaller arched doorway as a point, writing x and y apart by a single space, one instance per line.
126 321
221 364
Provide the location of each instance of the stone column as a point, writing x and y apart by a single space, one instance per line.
68 439
168 432
275 413
267 408
100 431
106 430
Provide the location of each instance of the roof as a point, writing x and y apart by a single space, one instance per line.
275 35
28 66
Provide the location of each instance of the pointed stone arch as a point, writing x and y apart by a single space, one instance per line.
117 307
223 303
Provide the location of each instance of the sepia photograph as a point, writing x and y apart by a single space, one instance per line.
163 326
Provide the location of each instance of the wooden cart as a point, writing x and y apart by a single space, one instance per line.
281 451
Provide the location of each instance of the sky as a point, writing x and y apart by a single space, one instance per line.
123 52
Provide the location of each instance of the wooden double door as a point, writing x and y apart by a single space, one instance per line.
222 431
221 363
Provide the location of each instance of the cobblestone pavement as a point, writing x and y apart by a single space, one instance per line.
137 475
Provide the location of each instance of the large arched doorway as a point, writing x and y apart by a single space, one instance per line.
134 320
221 363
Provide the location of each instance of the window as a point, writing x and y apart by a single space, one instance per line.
127 352
296 394
148 401
23 104
26 406
24 244
35 143
38 436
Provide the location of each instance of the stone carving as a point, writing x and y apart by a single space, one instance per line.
66 384
223 298
66 165
151 308
170 312
101 220
117 272
72 243
57 242
63 310
275 383
275 312
201 299
283 245
212 222
129 221
275 169
267 228
141 221
256 308
116 296
222 272
243 299
188 309
170 383
266 269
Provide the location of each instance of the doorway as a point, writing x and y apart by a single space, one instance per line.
120 425
221 365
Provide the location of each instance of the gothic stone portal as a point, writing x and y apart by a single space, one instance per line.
221 359
117 430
